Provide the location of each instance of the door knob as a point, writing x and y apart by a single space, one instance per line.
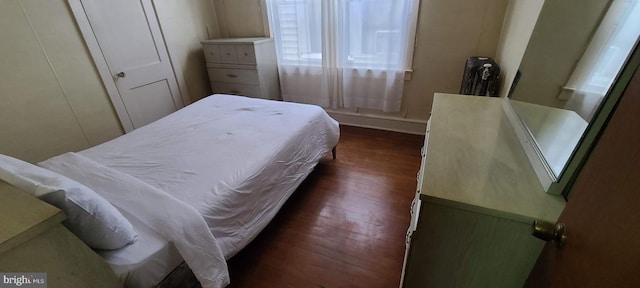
549 232
121 75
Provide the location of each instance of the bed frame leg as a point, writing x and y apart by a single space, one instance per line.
333 152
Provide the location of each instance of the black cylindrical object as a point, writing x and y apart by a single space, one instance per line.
481 77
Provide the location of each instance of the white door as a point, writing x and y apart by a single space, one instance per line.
130 39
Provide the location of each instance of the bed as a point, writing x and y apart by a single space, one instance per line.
229 161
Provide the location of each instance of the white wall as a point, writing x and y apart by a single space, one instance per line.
240 18
448 32
519 21
184 24
52 98
559 40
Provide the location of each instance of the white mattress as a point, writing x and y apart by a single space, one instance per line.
234 159
145 262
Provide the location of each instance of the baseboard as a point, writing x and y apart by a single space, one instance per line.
395 124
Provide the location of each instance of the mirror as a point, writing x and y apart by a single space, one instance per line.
574 55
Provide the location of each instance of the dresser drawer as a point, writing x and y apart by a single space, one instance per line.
232 54
233 75
211 53
246 54
228 54
236 89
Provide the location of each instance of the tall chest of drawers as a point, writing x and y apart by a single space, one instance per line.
243 66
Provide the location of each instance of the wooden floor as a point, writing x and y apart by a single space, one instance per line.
345 226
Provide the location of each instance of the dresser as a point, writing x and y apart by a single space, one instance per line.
476 198
243 66
33 240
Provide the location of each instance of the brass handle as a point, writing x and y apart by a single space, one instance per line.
121 75
411 208
549 232
232 75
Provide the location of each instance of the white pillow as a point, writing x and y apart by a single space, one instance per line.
89 216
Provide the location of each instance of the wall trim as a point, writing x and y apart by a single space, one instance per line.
388 123
65 94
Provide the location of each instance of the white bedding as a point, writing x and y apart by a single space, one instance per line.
177 222
233 159
144 263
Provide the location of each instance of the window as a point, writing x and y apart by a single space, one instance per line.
372 38
298 31
354 52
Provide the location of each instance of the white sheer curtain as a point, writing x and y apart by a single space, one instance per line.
344 53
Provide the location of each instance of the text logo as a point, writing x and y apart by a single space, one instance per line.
23 280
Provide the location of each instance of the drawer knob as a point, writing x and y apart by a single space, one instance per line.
246 54
232 75
228 54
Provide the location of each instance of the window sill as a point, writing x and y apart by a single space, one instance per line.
407 74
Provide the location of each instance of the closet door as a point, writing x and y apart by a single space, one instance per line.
134 50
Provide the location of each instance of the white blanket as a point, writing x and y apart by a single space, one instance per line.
234 159
178 222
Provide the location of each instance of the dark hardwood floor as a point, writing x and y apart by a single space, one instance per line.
345 226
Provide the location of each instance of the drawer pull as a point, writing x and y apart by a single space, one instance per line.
232 75
228 54
413 203
246 54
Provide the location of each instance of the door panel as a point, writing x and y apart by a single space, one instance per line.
131 42
150 102
602 215
126 32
